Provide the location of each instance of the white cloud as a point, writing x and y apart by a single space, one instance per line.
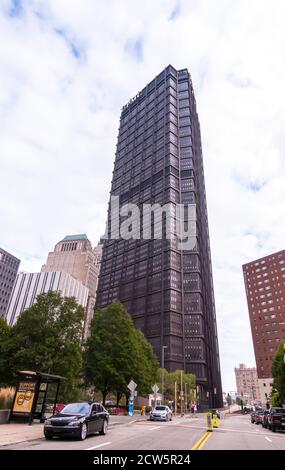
67 67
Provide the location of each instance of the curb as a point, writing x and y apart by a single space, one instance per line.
28 439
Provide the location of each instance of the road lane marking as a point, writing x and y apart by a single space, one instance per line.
156 427
267 438
100 445
200 447
196 445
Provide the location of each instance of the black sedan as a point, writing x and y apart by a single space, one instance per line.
77 420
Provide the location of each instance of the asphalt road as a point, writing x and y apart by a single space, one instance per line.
237 433
179 434
234 432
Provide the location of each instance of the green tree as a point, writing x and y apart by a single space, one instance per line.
274 398
146 366
229 399
47 338
116 353
278 372
169 384
5 370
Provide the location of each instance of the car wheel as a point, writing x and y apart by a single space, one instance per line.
83 432
48 438
104 428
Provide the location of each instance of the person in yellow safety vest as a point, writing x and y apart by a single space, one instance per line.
143 411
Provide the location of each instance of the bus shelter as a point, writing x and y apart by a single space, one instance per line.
35 396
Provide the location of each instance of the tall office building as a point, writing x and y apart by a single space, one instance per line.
29 285
247 385
74 255
265 291
167 289
9 266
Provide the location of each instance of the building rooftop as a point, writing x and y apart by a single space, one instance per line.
69 238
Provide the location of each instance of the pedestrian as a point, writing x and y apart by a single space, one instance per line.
192 408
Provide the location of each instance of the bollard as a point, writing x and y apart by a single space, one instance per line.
209 422
215 421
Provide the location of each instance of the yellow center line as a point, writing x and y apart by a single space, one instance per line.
209 434
206 436
196 445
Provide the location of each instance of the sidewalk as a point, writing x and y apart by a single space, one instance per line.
14 433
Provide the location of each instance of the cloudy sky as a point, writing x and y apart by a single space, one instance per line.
66 69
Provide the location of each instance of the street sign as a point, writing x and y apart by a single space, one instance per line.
155 389
132 386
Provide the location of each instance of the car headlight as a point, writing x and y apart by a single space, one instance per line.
47 421
74 423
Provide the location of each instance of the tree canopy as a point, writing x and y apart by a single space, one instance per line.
5 370
47 338
278 372
116 353
169 384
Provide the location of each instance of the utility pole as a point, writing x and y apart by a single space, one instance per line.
181 395
186 404
162 373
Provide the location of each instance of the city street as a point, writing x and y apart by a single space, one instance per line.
181 433
237 433
234 433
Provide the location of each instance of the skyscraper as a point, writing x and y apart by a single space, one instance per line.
9 266
265 290
167 289
74 255
28 286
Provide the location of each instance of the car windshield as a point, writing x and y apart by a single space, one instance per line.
160 408
76 409
279 410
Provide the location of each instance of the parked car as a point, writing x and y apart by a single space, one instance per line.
59 407
77 420
276 418
264 418
161 413
252 417
117 410
259 416
246 409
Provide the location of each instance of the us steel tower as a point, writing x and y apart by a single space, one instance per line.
167 289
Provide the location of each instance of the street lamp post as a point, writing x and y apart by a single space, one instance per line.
186 404
162 373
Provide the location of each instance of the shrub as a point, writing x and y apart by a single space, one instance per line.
6 398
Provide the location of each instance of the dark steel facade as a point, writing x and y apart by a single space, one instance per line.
9 266
168 292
